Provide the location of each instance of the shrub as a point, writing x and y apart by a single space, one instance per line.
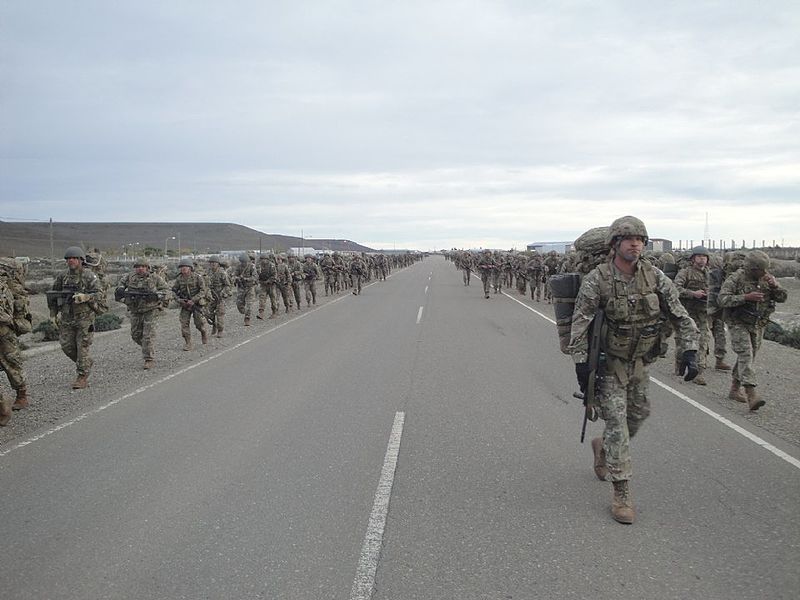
786 337
48 330
107 322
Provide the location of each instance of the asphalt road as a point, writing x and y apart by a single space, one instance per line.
424 446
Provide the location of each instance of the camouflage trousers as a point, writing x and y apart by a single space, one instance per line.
199 322
536 288
267 290
216 309
467 276
286 295
11 360
356 279
497 280
75 338
623 407
245 296
485 277
700 318
330 282
717 325
296 292
746 343
143 331
310 288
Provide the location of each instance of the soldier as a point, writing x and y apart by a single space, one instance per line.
535 268
12 276
466 263
629 294
245 278
144 294
219 284
716 323
357 269
329 271
551 264
95 261
311 272
267 281
486 265
283 281
8 346
192 294
748 299
693 284
72 304
296 272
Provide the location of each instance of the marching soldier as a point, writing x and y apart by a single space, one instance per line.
191 291
219 284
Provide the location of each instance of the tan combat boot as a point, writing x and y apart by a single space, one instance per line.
247 321
81 382
259 316
699 379
677 366
599 459
753 401
5 411
21 400
736 392
187 343
219 332
149 364
721 365
204 336
621 504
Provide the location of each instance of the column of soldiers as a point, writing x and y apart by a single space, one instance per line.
80 293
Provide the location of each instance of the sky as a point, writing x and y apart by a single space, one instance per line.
416 124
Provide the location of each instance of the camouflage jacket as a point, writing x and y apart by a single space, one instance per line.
737 310
648 299
191 287
245 274
267 271
219 284
691 279
6 310
149 282
81 280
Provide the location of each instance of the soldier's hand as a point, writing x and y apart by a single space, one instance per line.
754 297
80 298
689 365
582 371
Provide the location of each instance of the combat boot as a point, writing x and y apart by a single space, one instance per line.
259 316
81 382
149 363
736 392
213 330
753 401
721 365
5 411
219 332
204 336
600 468
699 379
247 321
187 343
22 399
621 504
677 366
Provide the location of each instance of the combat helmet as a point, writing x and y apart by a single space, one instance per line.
699 251
757 261
141 262
214 259
186 262
74 252
243 257
625 226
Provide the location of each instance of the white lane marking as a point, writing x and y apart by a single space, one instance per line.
419 315
364 582
426 289
159 381
750 436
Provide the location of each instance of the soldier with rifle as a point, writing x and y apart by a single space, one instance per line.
486 265
192 294
748 299
73 306
693 284
145 294
219 284
634 298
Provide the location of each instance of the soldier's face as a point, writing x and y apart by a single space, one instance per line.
73 263
700 261
630 248
186 270
140 269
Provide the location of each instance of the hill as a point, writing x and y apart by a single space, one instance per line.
113 239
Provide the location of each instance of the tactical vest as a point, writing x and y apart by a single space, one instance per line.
633 312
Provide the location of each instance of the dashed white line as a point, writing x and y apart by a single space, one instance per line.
419 315
364 582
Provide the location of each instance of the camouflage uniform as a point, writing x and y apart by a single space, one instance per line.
358 268
9 350
747 319
192 294
245 277
535 269
296 271
143 310
486 265
267 281
219 284
76 328
329 272
12 278
311 272
688 280
283 282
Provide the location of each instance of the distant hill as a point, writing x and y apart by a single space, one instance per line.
33 238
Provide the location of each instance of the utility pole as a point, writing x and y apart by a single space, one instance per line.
52 252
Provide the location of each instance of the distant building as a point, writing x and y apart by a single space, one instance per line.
544 247
659 245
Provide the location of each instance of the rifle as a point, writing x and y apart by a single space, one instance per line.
62 297
590 412
120 295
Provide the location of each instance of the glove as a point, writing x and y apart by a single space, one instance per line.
80 298
582 372
689 365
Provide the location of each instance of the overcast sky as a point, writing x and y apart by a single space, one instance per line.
415 124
